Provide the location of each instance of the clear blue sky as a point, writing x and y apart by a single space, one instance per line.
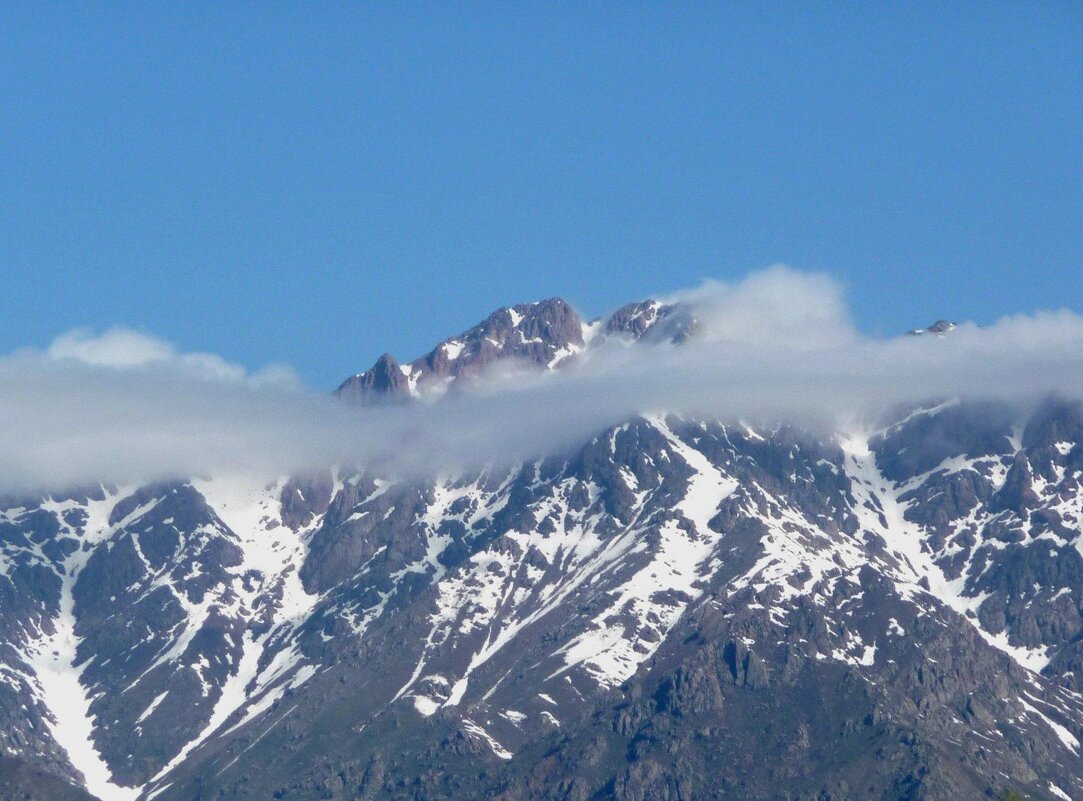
318 183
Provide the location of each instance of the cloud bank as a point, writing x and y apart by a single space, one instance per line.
123 407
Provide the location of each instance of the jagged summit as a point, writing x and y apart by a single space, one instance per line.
542 333
652 321
636 319
385 380
545 334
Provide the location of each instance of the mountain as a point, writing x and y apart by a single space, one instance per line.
539 334
678 608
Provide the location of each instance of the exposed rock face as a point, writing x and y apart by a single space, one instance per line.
677 609
384 381
22 781
651 321
546 335
636 319
540 334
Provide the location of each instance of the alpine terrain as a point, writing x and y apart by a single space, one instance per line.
676 609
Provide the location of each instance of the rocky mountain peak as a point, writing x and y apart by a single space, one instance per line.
382 382
542 334
635 319
651 321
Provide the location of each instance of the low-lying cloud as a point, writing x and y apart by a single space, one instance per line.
123 407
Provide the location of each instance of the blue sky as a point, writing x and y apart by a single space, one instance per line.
317 184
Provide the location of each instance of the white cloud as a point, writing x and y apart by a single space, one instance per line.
117 347
120 347
777 306
123 407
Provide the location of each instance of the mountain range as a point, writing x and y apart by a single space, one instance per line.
677 608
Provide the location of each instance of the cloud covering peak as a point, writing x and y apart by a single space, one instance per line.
123 407
776 307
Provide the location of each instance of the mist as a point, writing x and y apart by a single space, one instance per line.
124 407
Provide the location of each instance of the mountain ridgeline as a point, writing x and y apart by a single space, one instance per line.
677 609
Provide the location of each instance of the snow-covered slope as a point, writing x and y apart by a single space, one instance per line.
347 634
